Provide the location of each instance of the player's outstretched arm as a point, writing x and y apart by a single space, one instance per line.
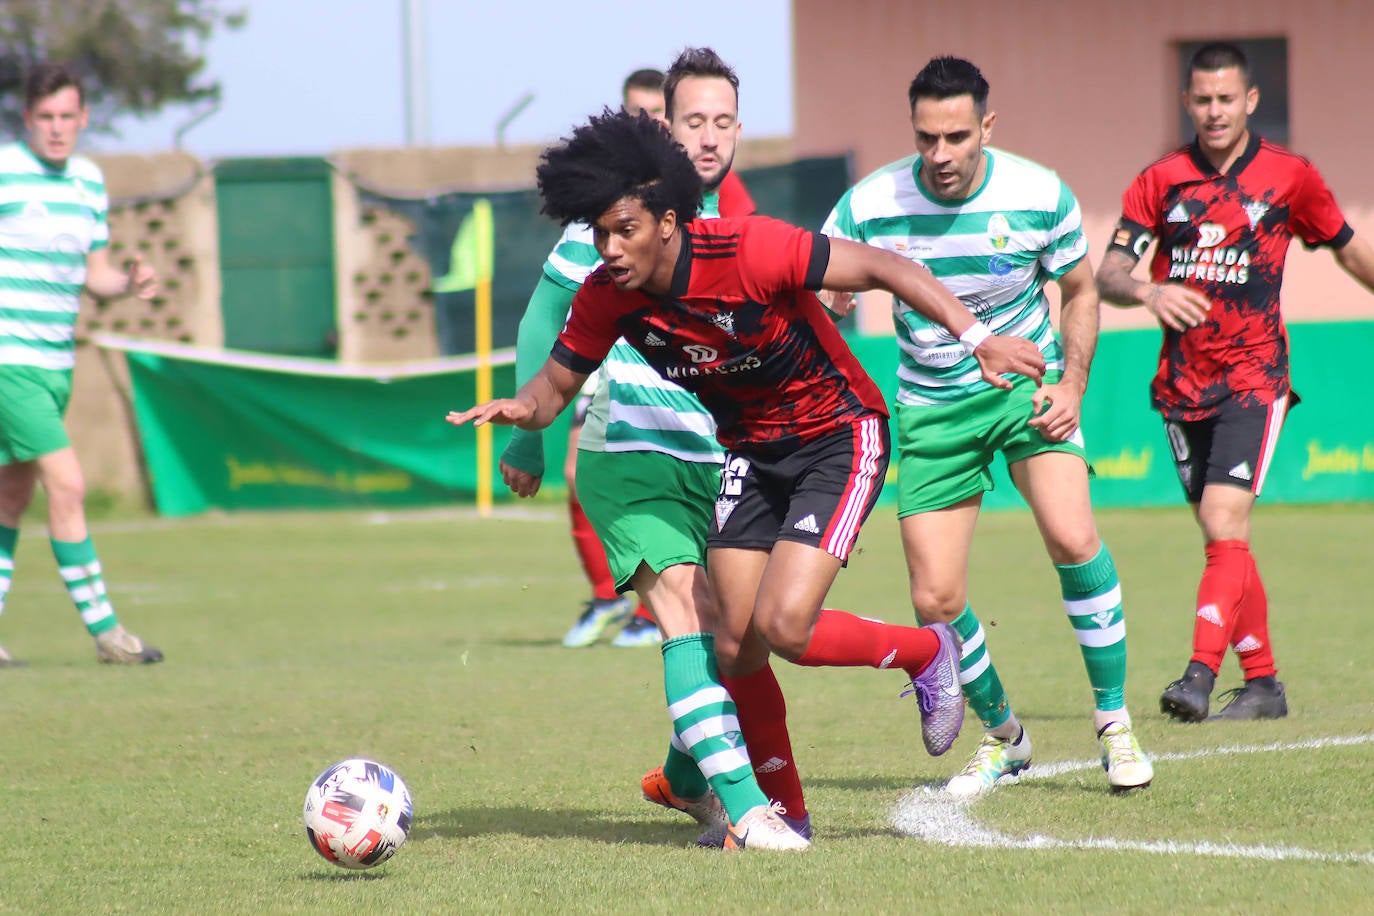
854 267
534 406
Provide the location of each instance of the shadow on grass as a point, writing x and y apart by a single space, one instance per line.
341 874
580 823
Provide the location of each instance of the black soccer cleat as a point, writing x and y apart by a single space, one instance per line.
1186 698
1260 698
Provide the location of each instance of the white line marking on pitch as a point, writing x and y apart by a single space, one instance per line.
932 815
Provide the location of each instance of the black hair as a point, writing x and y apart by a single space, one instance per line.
48 78
947 77
647 78
1219 55
701 62
616 155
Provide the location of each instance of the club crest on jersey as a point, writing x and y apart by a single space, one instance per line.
1255 210
724 507
999 231
725 321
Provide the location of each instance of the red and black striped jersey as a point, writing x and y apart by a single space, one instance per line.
1226 236
741 329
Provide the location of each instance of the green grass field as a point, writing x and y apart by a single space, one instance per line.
430 641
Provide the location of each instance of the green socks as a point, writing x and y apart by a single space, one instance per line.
707 743
982 686
80 570
1092 599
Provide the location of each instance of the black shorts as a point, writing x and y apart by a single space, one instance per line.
818 495
1233 448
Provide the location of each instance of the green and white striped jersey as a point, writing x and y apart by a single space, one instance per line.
634 409
994 250
50 219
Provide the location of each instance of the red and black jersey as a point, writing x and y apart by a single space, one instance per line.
1226 236
740 329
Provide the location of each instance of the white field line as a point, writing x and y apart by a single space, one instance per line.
931 814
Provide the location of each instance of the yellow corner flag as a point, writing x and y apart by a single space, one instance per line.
470 267
470 259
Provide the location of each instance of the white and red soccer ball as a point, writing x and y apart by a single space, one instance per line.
357 813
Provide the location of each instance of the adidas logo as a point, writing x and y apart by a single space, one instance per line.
1248 644
1209 613
1241 471
653 340
1179 214
771 765
808 525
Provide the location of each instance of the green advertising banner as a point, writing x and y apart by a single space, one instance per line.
245 431
228 430
1325 453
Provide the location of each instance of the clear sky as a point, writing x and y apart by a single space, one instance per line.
308 77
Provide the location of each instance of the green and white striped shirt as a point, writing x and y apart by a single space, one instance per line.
50 220
634 409
995 251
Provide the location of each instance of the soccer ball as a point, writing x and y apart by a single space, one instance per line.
357 813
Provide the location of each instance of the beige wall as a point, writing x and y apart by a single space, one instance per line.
1089 89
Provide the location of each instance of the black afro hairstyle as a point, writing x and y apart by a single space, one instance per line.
612 156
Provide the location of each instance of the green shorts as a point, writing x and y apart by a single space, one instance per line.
32 404
647 507
944 453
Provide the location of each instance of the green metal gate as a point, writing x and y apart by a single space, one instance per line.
276 239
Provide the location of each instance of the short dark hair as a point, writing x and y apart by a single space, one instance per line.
702 62
612 156
1219 55
647 78
947 77
48 78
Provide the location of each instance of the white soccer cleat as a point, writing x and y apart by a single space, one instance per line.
762 827
996 758
1126 764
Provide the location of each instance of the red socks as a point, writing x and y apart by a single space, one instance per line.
1232 609
1251 635
845 640
763 719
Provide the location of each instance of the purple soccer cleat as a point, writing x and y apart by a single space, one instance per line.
938 694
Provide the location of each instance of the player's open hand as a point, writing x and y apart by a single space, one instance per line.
1004 354
142 279
521 483
1057 411
502 412
1177 306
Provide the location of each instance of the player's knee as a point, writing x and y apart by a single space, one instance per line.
65 494
1072 551
14 500
784 637
936 605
